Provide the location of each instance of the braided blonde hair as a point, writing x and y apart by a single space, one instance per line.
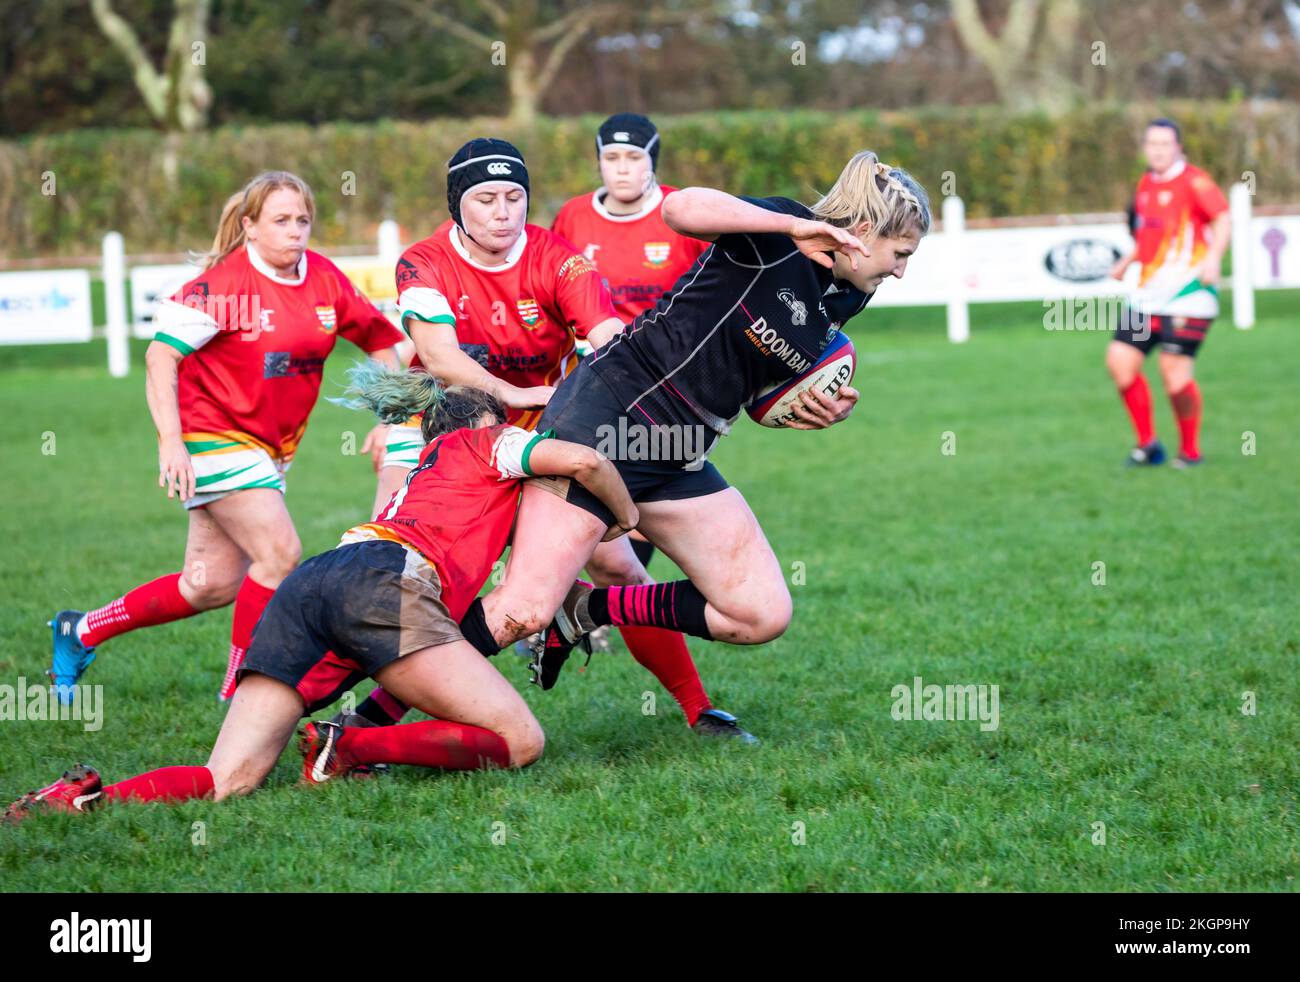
888 199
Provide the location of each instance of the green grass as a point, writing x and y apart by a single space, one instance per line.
1119 703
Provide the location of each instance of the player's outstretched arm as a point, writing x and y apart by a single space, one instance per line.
592 470
706 213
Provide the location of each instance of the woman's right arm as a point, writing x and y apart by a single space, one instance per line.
440 354
592 470
175 470
706 213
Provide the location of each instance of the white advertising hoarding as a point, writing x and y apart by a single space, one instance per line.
1275 256
46 307
1007 264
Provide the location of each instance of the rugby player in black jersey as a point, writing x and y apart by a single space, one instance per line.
758 307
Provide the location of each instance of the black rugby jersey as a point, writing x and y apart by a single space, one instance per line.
751 312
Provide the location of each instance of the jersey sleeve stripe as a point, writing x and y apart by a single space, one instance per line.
176 343
528 450
190 326
426 304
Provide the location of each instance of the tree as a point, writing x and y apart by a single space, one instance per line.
178 96
1030 61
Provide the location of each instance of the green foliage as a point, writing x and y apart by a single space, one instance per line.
1002 164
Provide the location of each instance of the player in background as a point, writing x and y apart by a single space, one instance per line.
759 307
1182 232
498 304
384 603
231 377
620 227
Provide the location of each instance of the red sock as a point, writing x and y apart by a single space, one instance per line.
428 743
1137 397
164 784
156 602
1187 407
665 654
249 604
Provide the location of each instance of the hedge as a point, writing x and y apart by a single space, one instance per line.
1000 163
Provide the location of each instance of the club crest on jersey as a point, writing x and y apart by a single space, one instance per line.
328 317
798 309
528 311
656 253
1164 197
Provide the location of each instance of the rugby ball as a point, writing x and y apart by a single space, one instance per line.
773 405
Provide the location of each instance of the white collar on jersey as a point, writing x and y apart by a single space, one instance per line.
1174 170
512 256
597 202
263 267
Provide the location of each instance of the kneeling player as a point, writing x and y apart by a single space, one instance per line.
385 604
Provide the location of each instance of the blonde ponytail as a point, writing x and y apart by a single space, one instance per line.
886 198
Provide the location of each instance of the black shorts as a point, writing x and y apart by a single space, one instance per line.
1178 335
657 463
345 614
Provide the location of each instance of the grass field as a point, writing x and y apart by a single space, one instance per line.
1119 704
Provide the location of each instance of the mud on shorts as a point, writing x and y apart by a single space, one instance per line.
345 614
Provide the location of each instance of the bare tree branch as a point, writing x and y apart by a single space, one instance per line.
440 20
123 37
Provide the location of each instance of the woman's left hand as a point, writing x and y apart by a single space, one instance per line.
375 444
816 411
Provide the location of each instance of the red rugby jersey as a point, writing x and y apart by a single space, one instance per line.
639 256
457 506
255 344
518 320
1172 217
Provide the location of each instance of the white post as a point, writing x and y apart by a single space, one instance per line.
954 227
1243 248
114 274
390 241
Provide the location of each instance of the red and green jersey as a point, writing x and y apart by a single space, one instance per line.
639 256
519 320
457 506
1172 215
255 345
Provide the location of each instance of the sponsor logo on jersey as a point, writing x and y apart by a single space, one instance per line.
528 311
328 317
406 273
575 266
771 343
282 364
479 352
656 253
498 167
798 309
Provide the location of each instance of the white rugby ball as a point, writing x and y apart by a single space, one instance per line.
773 406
